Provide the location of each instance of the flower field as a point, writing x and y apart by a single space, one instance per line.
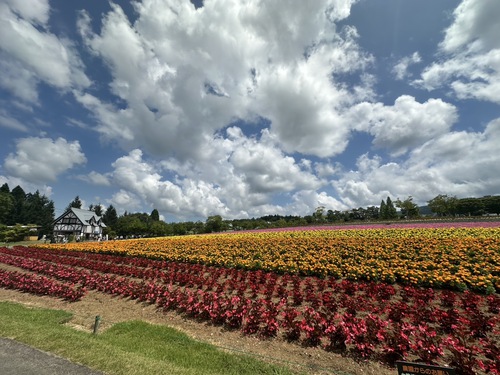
375 294
456 258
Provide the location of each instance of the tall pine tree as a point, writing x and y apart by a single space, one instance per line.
383 210
17 213
6 206
391 210
76 203
5 188
155 215
110 217
387 210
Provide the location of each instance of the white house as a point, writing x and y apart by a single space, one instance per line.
82 224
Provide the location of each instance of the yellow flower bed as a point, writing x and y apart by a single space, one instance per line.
438 257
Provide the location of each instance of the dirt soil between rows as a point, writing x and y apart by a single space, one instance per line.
113 310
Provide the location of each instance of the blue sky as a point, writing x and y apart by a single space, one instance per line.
247 108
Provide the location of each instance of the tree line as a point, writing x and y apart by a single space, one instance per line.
444 205
142 224
20 210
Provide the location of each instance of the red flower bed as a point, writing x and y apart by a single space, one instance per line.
362 319
40 285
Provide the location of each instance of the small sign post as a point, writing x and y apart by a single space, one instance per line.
413 368
96 324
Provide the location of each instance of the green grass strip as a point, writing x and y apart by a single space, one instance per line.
129 348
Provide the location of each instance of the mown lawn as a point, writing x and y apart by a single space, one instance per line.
126 348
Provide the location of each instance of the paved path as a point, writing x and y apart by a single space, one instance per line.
20 359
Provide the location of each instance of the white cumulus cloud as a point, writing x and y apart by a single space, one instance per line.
470 66
41 160
406 124
239 178
223 62
401 68
457 163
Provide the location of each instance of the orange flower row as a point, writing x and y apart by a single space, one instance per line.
439 257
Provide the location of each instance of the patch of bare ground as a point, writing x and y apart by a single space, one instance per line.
114 310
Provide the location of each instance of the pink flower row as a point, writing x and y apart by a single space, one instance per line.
395 225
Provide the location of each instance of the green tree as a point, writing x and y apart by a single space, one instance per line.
443 205
387 210
16 215
33 205
372 213
213 224
46 218
76 203
6 207
130 225
155 215
319 214
309 219
97 209
13 233
330 216
194 227
5 188
491 204
158 228
39 210
357 214
110 217
179 229
408 208
383 210
17 207
470 207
